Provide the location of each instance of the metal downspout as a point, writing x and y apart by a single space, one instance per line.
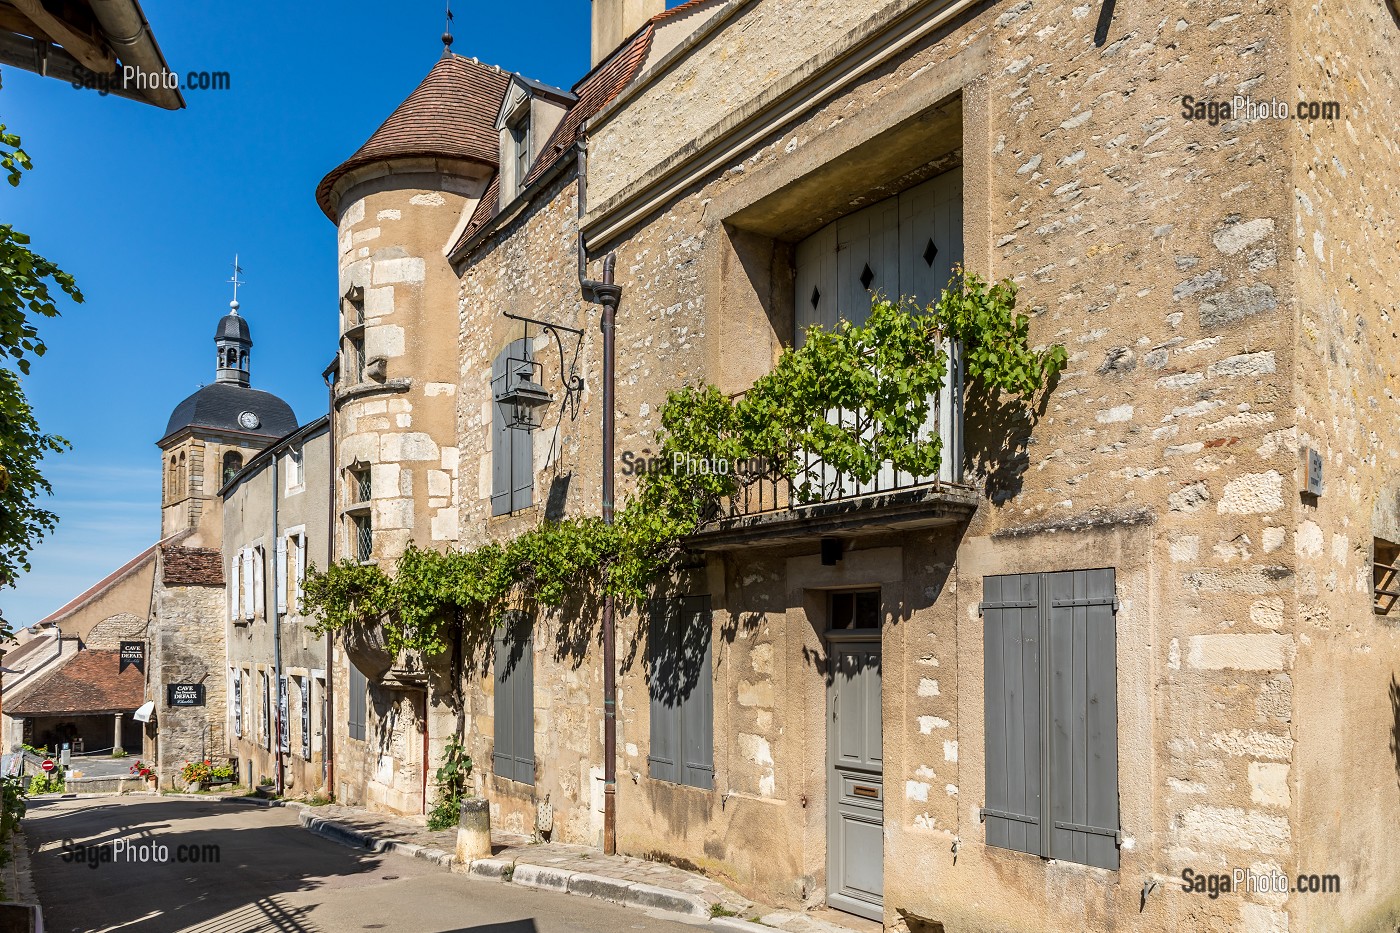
328 713
276 632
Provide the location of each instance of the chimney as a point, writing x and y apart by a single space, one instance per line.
615 20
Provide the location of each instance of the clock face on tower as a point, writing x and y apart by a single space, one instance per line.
249 420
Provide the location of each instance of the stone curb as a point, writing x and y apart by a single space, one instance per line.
346 835
541 877
583 884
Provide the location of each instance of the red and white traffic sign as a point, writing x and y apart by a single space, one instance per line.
48 764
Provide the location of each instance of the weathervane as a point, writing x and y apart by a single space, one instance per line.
236 282
447 31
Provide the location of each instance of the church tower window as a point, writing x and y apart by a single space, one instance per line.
233 462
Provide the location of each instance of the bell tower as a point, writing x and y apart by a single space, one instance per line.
214 432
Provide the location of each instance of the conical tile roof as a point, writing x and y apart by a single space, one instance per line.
451 114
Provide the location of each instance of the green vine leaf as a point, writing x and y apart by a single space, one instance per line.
879 376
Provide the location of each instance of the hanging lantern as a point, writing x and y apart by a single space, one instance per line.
524 400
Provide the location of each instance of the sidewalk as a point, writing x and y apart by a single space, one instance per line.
570 869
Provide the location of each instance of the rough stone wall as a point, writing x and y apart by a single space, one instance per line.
1344 785
1222 292
1154 248
391 243
187 646
401 423
530 268
705 89
247 510
108 634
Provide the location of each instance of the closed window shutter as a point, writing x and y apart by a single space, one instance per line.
246 604
500 441
359 687
513 756
1050 654
697 704
280 571
681 689
1084 718
522 450
663 643
259 594
235 595
300 569
523 678
1011 658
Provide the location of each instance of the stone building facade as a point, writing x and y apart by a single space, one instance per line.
210 437
397 202
1128 634
185 650
276 529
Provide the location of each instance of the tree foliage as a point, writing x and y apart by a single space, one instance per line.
29 290
881 374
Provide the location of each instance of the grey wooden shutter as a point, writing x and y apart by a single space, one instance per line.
681 690
500 440
512 451
663 643
1011 657
522 450
513 756
1082 662
359 686
697 702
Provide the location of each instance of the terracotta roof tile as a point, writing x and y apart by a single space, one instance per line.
88 682
594 92
451 114
192 566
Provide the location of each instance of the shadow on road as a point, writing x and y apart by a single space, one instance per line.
233 887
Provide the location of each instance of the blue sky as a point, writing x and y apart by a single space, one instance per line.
146 208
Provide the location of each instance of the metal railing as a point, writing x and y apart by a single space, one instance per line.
814 481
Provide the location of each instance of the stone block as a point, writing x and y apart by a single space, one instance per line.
539 876
608 889
408 270
1240 652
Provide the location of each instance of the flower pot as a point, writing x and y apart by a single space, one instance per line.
368 649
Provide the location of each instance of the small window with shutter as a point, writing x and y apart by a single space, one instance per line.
513 757
359 696
681 687
1050 669
512 448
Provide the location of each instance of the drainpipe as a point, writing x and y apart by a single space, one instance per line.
271 604
607 294
328 711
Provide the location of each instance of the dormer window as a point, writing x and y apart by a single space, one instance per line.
520 139
529 115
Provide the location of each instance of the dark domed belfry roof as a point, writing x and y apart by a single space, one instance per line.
224 406
233 327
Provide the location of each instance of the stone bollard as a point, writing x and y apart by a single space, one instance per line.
473 830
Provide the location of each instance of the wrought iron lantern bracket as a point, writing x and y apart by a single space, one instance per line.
527 396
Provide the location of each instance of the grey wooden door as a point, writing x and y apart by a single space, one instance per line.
855 775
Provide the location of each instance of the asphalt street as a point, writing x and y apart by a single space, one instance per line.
210 867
